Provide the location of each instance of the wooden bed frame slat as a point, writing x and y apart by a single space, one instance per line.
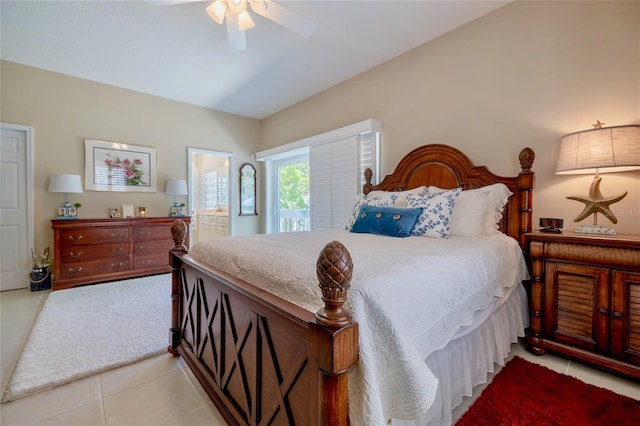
263 360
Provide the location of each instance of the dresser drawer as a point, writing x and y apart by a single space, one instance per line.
94 236
152 247
144 233
79 270
81 253
153 261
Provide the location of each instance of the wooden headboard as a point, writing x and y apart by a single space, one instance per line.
447 167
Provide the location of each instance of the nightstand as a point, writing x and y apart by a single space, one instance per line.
585 298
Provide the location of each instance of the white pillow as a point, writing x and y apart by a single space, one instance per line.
435 220
382 199
476 208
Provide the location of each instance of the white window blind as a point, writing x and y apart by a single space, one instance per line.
337 161
337 175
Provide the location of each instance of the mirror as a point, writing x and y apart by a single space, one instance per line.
248 204
209 193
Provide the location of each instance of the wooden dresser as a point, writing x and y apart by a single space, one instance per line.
95 250
585 298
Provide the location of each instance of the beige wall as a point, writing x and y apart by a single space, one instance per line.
65 110
523 75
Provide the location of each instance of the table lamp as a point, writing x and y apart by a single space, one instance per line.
66 183
175 188
599 150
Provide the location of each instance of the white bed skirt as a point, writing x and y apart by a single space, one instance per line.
466 361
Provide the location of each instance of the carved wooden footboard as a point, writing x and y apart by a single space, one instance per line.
261 359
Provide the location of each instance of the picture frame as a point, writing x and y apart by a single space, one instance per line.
127 210
141 212
114 213
114 166
248 206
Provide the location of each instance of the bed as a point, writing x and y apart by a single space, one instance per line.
267 353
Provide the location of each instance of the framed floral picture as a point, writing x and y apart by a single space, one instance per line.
113 166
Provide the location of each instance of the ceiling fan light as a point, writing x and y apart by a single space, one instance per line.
244 21
237 6
217 10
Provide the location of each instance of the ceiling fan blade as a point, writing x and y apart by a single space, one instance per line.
284 17
237 38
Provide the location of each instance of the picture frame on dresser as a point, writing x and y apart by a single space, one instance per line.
120 167
127 210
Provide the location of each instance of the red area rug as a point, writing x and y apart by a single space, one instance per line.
523 393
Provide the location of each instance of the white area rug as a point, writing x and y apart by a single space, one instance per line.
87 330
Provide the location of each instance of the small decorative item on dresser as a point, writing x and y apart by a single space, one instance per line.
127 210
114 213
141 212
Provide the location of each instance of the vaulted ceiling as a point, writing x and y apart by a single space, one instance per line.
176 51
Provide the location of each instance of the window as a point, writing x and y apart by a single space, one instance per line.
335 162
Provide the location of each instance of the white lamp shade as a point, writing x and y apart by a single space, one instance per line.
609 149
65 183
176 187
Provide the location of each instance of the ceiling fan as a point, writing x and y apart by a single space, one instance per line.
239 19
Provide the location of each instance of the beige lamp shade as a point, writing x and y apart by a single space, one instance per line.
609 149
176 187
65 183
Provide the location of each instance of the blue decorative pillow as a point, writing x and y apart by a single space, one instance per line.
390 221
435 220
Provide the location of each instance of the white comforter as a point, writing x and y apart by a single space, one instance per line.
409 295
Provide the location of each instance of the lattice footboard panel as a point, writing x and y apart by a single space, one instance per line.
256 361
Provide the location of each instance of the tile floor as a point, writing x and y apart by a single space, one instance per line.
161 390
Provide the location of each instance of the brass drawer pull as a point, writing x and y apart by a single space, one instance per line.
603 311
145 234
75 255
72 238
117 250
118 265
617 314
145 247
76 270
116 235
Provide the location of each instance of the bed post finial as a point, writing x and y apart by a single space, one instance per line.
334 269
179 234
368 174
526 159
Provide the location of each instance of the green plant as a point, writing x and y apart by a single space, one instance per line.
77 205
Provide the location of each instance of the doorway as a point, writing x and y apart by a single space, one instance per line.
210 186
16 205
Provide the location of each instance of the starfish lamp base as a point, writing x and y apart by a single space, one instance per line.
595 229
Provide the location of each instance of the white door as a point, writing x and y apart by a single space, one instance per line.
16 212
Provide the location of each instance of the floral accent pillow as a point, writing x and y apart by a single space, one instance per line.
435 220
386 200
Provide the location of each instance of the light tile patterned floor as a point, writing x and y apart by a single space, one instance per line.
161 390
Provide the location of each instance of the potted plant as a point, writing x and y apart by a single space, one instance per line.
40 274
